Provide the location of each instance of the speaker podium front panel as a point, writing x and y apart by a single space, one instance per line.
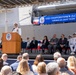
11 43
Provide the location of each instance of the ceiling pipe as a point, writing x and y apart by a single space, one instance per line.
57 7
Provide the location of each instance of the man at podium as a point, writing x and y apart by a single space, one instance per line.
11 41
16 29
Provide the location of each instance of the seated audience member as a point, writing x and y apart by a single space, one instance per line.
6 70
74 44
28 43
25 56
45 43
62 44
23 68
56 55
71 63
38 59
70 43
4 57
23 45
41 68
62 65
33 44
53 44
52 68
15 64
1 63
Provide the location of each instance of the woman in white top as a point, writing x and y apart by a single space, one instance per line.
23 68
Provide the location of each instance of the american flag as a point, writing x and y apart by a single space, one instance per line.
35 21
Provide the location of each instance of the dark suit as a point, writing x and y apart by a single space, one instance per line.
62 70
63 42
45 44
33 44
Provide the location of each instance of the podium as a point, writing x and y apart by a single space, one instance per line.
11 43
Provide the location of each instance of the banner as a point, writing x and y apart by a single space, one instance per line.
60 18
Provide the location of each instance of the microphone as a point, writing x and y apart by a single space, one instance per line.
13 29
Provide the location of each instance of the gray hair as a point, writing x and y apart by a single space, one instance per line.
61 62
25 56
6 70
52 68
18 57
56 55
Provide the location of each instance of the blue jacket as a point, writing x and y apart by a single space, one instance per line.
14 65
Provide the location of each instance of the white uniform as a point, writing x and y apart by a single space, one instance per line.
74 44
18 30
71 44
28 43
